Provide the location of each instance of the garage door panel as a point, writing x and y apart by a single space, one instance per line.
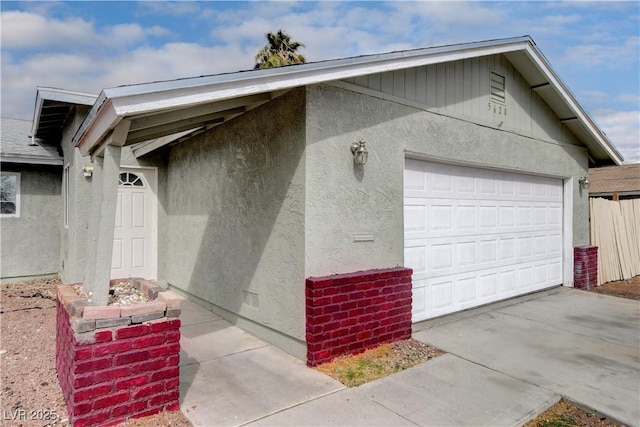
453 217
475 236
444 256
459 291
415 219
478 184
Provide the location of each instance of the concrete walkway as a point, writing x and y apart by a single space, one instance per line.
505 364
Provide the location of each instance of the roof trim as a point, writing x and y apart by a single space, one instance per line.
580 113
611 193
130 102
30 160
62 96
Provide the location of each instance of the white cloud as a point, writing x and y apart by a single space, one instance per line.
80 54
629 98
623 130
467 13
562 19
601 55
170 8
26 30
130 34
174 60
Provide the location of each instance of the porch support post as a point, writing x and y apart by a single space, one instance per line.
103 211
94 217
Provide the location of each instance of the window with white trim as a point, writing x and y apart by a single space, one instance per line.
65 196
9 194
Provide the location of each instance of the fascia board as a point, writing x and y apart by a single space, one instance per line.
128 101
93 130
37 111
541 63
30 160
67 96
127 104
59 95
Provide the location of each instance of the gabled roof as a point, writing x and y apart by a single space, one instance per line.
52 109
624 180
17 145
154 110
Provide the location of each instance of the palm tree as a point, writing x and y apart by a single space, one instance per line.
279 51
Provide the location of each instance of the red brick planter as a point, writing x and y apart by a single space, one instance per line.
585 267
116 367
351 313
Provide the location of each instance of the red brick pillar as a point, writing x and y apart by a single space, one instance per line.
354 312
114 368
585 267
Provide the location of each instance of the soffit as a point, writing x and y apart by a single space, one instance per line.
53 107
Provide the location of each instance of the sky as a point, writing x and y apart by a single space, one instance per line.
87 46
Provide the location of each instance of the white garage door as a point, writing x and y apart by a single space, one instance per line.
474 236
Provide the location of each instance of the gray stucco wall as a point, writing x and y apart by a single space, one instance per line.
31 242
74 238
344 200
235 219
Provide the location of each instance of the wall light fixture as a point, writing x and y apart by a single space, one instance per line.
360 153
88 171
584 182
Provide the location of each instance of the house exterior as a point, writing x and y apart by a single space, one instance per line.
614 204
237 189
615 182
30 217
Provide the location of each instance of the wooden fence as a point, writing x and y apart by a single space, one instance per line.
615 230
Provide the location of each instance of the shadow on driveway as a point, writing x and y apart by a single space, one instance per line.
581 345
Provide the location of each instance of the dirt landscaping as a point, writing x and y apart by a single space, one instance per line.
629 288
565 414
30 393
355 370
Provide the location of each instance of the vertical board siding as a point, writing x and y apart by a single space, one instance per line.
431 85
421 85
374 82
467 96
410 84
462 88
386 83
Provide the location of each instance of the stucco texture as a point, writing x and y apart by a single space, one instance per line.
31 243
344 200
235 215
74 241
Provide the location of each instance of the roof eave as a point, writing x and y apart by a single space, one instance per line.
597 136
59 95
128 102
125 102
30 160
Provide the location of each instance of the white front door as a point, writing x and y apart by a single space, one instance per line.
474 236
134 236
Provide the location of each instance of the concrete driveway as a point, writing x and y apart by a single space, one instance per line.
577 344
507 362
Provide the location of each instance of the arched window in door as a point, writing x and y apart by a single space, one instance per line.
130 179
